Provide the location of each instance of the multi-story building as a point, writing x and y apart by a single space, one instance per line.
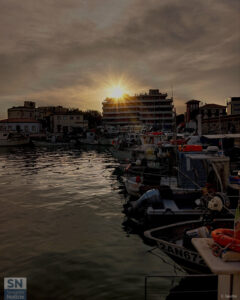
221 125
68 122
233 106
28 126
46 111
27 111
192 110
212 111
152 108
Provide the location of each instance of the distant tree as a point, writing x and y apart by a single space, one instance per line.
94 118
75 110
179 119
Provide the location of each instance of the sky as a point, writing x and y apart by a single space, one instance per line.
69 52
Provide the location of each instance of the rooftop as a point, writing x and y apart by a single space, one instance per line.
192 101
212 105
19 120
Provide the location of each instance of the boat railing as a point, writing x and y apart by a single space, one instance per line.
179 286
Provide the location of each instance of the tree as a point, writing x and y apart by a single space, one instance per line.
94 118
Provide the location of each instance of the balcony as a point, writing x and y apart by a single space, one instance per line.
156 118
121 117
121 112
158 112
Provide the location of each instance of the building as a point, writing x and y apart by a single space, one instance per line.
192 110
233 106
27 111
221 125
68 122
27 126
212 111
44 112
152 108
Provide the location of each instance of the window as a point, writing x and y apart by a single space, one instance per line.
26 128
64 117
33 128
71 117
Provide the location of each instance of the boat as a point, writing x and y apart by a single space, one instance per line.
175 241
89 138
13 139
195 168
158 207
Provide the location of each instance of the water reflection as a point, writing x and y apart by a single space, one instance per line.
61 226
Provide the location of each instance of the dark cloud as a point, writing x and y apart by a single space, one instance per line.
61 51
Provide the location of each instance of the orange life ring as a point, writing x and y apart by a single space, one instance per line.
225 237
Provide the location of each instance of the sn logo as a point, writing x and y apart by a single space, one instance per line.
17 283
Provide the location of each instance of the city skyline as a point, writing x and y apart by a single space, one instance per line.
71 53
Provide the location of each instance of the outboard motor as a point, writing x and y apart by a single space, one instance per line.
139 206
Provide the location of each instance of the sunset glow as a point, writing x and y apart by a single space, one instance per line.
116 91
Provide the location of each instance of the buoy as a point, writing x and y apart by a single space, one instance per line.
138 162
138 179
225 238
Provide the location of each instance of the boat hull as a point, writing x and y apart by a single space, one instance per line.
10 143
187 258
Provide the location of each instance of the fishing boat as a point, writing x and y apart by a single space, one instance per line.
175 241
89 139
195 168
13 139
162 206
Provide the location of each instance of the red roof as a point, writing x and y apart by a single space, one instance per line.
19 120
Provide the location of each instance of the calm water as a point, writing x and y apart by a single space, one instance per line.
61 226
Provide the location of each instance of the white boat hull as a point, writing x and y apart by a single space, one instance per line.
9 143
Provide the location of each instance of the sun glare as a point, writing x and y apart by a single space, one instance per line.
116 91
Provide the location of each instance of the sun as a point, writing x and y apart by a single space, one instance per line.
116 91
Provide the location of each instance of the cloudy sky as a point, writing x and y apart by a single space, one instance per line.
67 52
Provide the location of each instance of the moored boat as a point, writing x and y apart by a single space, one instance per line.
13 139
175 241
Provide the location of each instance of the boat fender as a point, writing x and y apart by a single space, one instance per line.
225 237
138 162
201 232
138 179
215 204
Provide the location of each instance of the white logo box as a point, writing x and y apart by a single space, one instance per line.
15 283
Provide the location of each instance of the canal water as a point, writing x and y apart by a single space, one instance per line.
61 226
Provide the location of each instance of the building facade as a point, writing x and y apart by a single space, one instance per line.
212 111
27 126
68 122
44 112
221 125
152 108
233 106
27 111
192 110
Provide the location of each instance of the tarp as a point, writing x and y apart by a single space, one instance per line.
222 136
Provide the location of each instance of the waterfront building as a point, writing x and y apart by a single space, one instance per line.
68 122
147 109
192 110
212 111
27 111
44 112
27 126
233 106
221 125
